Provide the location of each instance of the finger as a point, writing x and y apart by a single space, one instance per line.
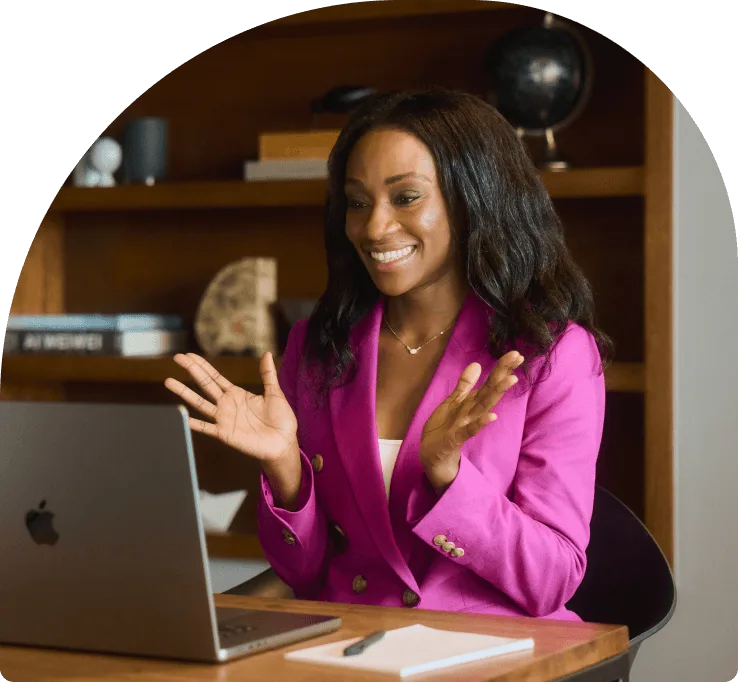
467 381
489 395
269 376
505 366
475 426
204 380
190 397
212 430
214 374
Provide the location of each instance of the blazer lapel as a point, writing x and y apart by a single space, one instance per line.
353 415
468 338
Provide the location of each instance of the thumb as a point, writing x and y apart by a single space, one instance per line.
269 377
467 380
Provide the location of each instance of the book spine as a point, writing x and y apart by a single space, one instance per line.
95 342
311 144
301 169
88 323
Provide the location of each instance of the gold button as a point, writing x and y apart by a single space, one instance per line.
317 463
439 540
457 552
448 546
289 538
409 598
359 584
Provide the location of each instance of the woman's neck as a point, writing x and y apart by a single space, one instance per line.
423 313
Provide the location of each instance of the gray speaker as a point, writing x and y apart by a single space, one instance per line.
145 150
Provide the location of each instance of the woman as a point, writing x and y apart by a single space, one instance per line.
431 438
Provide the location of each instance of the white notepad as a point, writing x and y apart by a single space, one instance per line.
413 649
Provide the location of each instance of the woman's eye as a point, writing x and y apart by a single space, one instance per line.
406 199
354 204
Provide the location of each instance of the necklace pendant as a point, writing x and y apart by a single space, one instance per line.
413 351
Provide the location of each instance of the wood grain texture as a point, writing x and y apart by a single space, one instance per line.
658 254
578 182
626 377
560 649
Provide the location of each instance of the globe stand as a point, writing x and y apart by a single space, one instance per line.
552 159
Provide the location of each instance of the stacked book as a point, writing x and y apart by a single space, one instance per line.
121 335
299 155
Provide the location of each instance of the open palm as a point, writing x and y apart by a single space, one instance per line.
466 412
261 426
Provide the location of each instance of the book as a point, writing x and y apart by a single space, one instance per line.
414 649
286 169
298 144
122 322
94 342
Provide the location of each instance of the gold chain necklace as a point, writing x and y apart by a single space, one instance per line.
413 351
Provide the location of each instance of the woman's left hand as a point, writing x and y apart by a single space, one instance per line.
461 416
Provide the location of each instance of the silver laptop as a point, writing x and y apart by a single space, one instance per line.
102 546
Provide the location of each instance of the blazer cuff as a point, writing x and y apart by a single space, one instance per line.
448 524
293 527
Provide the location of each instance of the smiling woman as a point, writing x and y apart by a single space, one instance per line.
432 436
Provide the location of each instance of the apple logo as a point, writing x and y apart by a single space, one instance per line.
40 524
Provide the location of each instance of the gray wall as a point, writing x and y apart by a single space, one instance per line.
701 642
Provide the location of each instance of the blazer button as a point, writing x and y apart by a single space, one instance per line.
289 538
448 546
409 598
457 552
317 463
359 584
439 540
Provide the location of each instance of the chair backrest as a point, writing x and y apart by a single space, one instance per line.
628 579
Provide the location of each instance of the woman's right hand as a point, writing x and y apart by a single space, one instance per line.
261 426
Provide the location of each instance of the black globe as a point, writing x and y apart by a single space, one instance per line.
537 76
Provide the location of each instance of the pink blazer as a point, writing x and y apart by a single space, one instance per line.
519 508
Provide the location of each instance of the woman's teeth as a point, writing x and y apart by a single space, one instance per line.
389 256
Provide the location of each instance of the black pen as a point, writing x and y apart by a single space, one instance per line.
361 645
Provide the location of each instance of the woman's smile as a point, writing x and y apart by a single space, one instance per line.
390 260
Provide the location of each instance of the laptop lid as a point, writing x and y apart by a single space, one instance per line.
101 539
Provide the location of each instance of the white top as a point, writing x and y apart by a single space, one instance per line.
388 450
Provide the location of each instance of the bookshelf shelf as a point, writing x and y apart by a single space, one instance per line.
575 183
624 377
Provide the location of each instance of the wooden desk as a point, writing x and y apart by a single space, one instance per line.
560 650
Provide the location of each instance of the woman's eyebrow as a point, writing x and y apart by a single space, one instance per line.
391 180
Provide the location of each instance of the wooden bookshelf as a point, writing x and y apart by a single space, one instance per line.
144 249
574 183
620 376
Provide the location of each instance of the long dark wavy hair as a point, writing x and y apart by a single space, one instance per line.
510 238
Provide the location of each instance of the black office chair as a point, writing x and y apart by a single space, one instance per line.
628 580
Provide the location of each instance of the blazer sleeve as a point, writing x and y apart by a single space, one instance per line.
296 543
532 545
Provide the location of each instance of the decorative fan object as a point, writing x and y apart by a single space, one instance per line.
235 314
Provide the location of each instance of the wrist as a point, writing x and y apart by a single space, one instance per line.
443 473
285 461
284 475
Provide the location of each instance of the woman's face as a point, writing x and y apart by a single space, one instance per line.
396 216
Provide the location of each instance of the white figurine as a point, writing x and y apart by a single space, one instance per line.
83 175
103 159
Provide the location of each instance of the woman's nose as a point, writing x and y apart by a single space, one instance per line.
380 222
